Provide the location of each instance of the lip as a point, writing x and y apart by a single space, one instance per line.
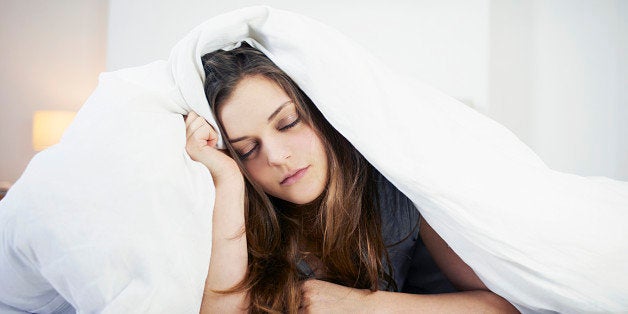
295 176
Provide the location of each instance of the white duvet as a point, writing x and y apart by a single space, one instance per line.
117 217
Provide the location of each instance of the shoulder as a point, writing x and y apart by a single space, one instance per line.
399 215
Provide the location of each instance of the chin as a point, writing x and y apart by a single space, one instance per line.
303 201
304 198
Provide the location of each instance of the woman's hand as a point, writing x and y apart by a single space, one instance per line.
201 146
324 297
229 259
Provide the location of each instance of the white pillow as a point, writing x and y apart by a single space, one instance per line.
117 217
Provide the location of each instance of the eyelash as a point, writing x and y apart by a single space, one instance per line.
291 124
284 128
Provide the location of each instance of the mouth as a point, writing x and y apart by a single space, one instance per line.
294 176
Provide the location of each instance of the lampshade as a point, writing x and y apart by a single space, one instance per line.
48 126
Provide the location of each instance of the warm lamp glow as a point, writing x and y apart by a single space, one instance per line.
48 126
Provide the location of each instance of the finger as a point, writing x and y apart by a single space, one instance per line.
190 117
208 132
200 132
195 125
213 137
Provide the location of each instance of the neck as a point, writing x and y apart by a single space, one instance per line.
305 218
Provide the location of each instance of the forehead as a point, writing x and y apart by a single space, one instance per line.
253 100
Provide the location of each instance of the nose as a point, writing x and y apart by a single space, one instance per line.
277 153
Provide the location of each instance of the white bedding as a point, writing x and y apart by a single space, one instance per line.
117 217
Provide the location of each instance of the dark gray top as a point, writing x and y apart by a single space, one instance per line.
414 270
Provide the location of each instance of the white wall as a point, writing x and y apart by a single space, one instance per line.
622 82
554 72
511 76
442 42
558 77
52 52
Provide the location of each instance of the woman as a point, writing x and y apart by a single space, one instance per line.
302 222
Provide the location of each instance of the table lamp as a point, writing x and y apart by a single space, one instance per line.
48 127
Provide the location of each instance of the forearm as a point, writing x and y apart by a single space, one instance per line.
228 264
460 302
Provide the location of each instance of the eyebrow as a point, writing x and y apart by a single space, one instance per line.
272 115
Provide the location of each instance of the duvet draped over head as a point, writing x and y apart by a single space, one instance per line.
117 217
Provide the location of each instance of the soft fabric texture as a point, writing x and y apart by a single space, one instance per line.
117 217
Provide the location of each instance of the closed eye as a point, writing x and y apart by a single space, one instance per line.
290 125
247 154
244 156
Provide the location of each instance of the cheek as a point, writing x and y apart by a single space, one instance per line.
313 147
309 143
256 171
319 148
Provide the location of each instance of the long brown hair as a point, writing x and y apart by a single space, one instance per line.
345 226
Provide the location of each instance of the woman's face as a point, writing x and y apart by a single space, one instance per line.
280 151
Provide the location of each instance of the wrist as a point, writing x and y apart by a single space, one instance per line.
228 214
231 180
